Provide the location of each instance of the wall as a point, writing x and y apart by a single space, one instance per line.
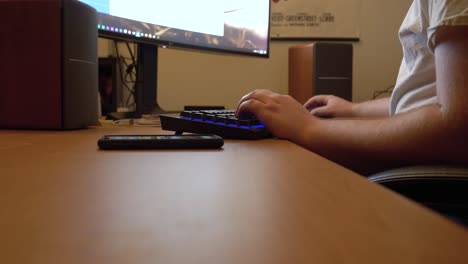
200 78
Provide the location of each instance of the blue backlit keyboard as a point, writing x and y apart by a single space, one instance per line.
223 123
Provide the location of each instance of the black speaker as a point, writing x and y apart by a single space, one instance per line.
49 64
320 68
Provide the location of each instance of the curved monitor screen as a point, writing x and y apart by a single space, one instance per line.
236 26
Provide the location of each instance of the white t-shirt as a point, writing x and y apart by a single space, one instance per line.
415 85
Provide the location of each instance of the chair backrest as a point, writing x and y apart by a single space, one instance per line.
442 188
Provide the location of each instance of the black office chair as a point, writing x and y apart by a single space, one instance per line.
442 188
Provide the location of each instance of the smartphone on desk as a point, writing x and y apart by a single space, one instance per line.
189 141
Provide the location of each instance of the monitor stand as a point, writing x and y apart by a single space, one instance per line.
146 85
122 115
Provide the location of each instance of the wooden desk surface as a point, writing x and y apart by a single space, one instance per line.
64 201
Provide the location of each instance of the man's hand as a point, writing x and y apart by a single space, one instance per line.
281 114
329 106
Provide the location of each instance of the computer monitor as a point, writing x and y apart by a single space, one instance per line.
227 26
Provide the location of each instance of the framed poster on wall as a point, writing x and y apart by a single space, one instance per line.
319 19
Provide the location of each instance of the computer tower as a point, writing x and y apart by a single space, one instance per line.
320 68
49 65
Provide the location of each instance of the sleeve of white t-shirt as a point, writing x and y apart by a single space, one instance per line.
446 13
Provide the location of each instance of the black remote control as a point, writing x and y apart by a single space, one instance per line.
191 141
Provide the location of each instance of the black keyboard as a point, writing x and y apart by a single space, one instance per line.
223 123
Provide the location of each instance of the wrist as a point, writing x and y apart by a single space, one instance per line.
353 110
306 135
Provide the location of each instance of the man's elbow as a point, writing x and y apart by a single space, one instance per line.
457 134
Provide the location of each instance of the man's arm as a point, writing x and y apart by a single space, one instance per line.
333 106
372 108
430 134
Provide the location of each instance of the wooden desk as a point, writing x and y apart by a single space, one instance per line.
64 201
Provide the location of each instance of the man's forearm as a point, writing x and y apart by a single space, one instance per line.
372 108
367 145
